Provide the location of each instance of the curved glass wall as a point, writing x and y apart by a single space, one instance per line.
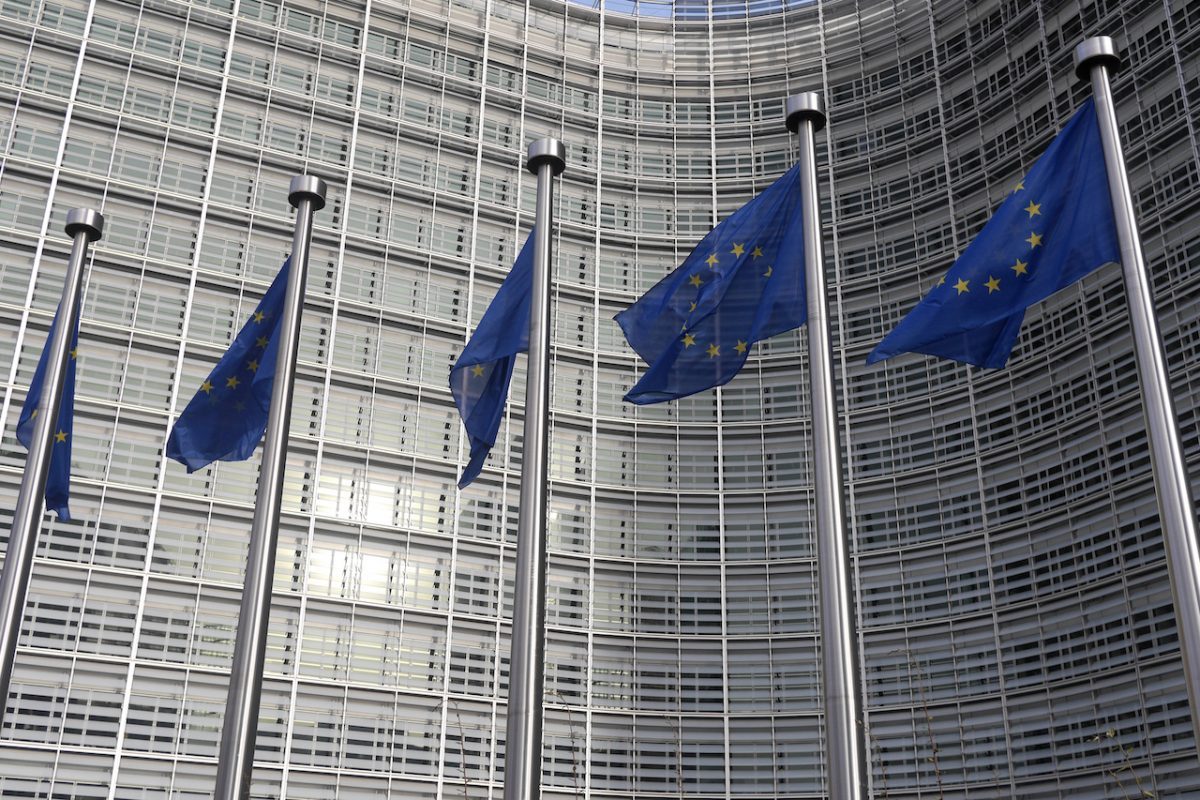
693 9
1016 623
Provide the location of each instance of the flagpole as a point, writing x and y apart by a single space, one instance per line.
85 226
1093 58
235 761
523 740
844 740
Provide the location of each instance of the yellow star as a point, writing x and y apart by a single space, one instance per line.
1034 209
1020 267
477 370
74 353
1020 186
688 340
769 271
942 281
252 365
259 316
961 286
756 252
691 307
695 281
240 405
35 413
60 437
1034 239
232 382
206 387
712 261
738 249
713 351
262 341
993 284
740 346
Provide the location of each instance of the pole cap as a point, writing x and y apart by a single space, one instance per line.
1096 51
307 187
806 105
87 220
547 151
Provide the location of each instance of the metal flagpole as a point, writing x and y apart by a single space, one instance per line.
523 740
1093 58
235 760
84 225
844 740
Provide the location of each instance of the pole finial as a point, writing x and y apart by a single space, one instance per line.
88 220
806 105
547 151
307 187
1093 51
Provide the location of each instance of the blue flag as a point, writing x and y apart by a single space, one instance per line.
58 480
479 379
226 419
1055 227
744 282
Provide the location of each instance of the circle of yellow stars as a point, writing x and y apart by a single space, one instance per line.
696 281
232 382
963 286
59 436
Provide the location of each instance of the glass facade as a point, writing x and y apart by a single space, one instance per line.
1015 617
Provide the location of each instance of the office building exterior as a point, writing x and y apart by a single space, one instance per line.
1016 626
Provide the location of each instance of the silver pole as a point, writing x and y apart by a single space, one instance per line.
523 740
235 760
84 225
1093 57
844 740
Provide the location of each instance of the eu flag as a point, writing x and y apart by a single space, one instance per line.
744 282
58 480
1055 227
480 377
226 419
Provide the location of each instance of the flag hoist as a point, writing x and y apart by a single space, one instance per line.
45 429
1093 58
236 756
523 741
844 735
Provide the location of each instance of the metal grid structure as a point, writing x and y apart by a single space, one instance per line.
1016 626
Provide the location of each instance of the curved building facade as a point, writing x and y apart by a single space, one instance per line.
1015 617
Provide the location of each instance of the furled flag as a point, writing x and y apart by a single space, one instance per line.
743 283
480 377
1055 227
226 419
58 480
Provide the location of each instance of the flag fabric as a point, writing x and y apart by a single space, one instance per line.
58 479
480 377
226 419
743 283
1056 226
